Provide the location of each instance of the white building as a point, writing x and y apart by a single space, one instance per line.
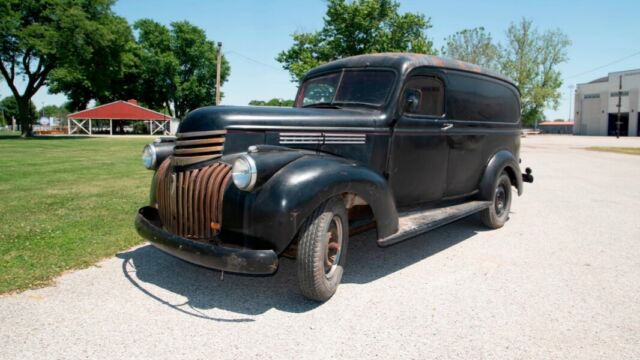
596 105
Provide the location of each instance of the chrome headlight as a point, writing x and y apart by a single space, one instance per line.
149 156
244 173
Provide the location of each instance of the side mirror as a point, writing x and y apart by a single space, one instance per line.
411 100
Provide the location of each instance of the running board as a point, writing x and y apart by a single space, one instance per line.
418 222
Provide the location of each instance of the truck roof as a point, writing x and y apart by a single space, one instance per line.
405 62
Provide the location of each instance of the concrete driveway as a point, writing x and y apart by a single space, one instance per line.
560 280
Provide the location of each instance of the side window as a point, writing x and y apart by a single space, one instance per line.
475 99
424 95
321 89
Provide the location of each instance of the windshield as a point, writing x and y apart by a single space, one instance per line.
359 87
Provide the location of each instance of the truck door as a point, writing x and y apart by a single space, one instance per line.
467 134
419 151
483 115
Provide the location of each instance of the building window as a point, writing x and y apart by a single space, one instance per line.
592 96
619 93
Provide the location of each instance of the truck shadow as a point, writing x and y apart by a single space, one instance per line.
170 281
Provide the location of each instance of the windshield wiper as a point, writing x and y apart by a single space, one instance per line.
327 105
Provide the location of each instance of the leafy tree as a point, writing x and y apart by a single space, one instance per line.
177 66
39 36
139 127
531 59
9 110
55 111
357 27
108 73
159 67
472 45
272 102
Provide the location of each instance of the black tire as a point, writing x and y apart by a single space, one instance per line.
497 214
320 266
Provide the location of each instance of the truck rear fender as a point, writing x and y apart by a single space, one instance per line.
502 160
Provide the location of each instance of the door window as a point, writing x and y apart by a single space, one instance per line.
424 95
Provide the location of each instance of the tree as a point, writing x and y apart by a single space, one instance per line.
177 66
59 112
354 28
272 102
472 45
108 73
531 59
9 109
39 36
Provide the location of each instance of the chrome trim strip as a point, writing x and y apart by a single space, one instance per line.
308 128
306 134
200 133
322 138
216 140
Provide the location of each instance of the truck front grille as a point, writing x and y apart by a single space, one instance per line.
199 146
190 202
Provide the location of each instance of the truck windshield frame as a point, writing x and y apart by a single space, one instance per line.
347 87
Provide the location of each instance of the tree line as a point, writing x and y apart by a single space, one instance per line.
82 49
528 56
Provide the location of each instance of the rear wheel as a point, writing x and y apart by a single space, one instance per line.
322 250
497 214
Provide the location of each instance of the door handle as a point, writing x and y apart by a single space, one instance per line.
446 127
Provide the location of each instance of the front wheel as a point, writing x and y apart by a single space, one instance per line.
497 214
322 250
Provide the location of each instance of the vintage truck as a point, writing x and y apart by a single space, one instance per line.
399 143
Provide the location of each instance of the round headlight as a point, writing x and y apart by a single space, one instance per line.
149 157
244 173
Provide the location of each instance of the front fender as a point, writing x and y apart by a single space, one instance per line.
274 212
500 161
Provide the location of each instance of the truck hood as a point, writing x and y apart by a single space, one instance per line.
259 117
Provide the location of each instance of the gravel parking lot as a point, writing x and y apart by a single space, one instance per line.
560 280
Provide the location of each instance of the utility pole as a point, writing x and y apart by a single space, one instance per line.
218 66
618 123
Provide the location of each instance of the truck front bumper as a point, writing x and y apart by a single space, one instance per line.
244 261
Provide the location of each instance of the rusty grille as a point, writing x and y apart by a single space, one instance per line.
190 202
195 147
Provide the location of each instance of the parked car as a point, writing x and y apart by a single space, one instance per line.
399 143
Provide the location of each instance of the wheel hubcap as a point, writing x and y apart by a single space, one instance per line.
501 200
334 246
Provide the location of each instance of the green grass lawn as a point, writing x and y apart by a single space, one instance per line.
66 203
620 150
9 132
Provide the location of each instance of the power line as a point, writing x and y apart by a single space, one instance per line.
603 66
254 60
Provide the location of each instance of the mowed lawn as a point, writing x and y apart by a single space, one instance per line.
620 150
65 203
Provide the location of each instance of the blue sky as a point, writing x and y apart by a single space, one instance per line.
254 31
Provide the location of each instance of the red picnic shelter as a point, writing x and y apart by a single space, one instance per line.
118 110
